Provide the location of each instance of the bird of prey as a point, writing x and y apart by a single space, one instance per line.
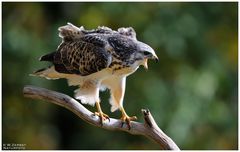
95 60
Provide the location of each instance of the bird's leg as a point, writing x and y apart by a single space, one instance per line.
126 118
102 115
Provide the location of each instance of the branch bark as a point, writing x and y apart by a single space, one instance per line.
149 128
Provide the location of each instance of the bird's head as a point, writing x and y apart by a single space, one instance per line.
145 52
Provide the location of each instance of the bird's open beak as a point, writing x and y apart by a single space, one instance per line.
145 61
145 64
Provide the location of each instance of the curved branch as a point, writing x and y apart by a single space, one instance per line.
149 128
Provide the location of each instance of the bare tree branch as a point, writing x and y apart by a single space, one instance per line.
149 128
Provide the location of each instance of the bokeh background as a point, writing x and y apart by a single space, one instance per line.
192 92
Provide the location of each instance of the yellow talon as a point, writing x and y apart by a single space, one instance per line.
102 115
126 118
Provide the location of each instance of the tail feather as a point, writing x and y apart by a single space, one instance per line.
47 57
48 73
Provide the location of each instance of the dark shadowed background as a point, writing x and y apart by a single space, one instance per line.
192 92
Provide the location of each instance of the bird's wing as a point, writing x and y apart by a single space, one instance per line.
81 52
81 57
84 56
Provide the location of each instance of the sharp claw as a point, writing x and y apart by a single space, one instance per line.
128 124
122 124
101 121
129 127
128 120
102 117
108 119
134 118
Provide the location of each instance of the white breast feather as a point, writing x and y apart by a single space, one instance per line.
89 86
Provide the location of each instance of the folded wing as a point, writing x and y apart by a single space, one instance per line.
79 53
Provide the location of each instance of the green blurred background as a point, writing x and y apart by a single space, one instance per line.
192 92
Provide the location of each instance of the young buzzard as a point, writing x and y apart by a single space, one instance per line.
97 59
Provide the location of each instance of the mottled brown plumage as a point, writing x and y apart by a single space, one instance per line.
79 57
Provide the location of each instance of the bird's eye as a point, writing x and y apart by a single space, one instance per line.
146 53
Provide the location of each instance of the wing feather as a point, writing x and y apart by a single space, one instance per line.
81 57
70 32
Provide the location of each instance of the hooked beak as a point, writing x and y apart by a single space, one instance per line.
145 64
145 61
155 58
